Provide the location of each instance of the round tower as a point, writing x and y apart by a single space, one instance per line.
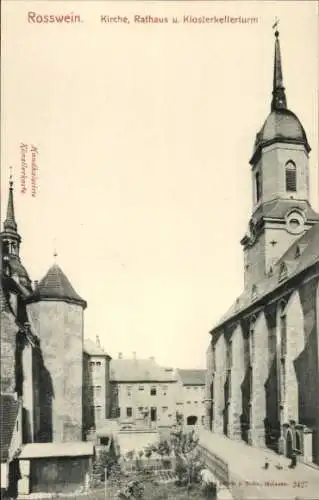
56 313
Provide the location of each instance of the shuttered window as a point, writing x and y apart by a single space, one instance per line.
291 177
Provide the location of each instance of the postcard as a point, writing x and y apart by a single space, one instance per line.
159 250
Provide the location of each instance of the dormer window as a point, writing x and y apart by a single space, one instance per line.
283 273
291 177
254 292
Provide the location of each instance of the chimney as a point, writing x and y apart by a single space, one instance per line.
120 355
98 343
35 285
152 358
134 355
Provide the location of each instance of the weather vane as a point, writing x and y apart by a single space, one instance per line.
275 25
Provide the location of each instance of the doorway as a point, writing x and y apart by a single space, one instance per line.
153 414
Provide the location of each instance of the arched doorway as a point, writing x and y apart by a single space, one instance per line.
191 420
289 444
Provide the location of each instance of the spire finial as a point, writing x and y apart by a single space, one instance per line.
10 177
279 97
10 222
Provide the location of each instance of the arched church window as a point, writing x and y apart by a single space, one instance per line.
251 340
283 329
258 186
291 176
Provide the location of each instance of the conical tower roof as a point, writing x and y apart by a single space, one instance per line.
56 286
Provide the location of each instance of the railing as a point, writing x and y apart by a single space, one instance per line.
215 464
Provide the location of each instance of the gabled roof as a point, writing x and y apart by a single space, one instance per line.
9 408
56 286
295 265
93 349
140 370
192 377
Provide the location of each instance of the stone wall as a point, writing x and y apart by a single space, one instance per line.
59 326
8 352
270 381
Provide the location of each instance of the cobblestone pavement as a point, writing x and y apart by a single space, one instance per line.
249 480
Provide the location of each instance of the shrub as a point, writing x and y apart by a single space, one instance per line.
209 491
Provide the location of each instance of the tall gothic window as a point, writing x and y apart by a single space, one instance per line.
258 186
291 176
283 331
229 355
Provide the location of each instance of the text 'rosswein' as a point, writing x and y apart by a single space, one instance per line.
72 18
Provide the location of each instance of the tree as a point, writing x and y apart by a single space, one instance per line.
188 464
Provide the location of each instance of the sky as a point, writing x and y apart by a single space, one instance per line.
144 133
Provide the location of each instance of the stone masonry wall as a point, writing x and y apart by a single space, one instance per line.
8 351
59 326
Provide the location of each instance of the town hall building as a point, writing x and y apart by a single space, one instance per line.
263 359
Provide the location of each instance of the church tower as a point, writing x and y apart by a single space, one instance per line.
280 185
10 246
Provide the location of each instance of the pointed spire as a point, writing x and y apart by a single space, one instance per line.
10 222
278 94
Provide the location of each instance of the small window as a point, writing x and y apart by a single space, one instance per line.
129 411
129 390
153 391
203 419
141 388
258 186
291 176
165 409
98 390
165 389
118 412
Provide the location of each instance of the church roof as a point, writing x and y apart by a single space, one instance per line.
8 415
301 255
277 209
139 370
56 286
192 377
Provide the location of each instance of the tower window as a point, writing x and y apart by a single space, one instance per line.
291 176
258 186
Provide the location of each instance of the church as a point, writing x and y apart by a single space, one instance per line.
263 357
